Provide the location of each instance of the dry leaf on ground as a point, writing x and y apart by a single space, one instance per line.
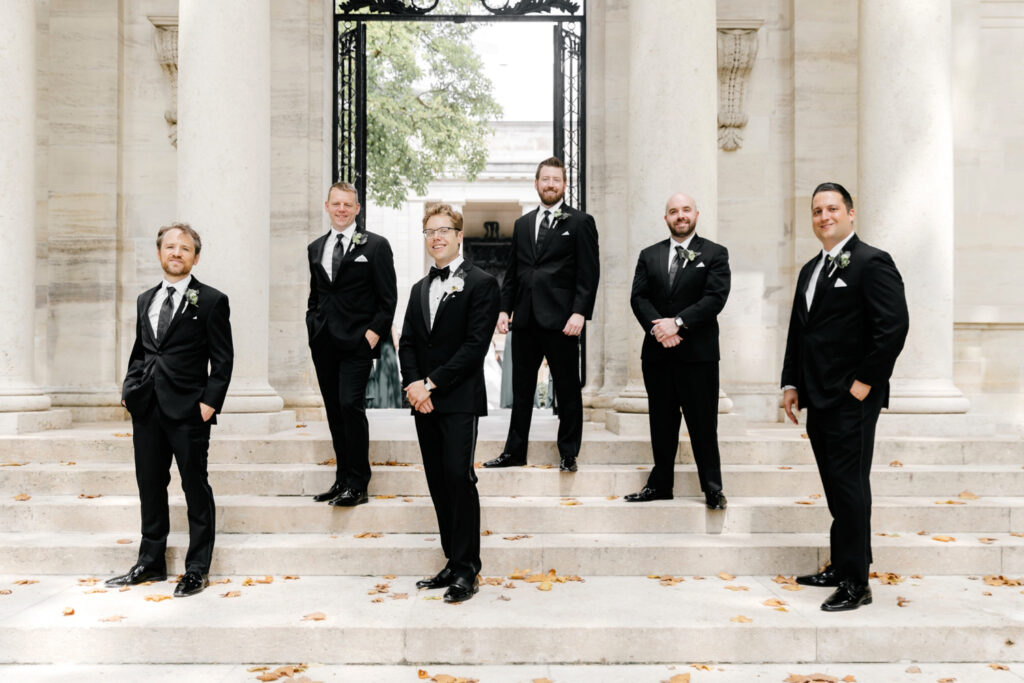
115 618
517 537
331 461
367 534
22 497
671 580
740 619
91 581
544 586
736 588
231 594
987 541
895 463
122 435
994 580
69 462
68 611
913 669
946 680
679 678
901 601
314 616
725 576
785 467
486 532
950 502
998 667
220 581
5 591
95 590
887 578
445 678
943 539
89 496
700 667
1018 534
123 541
422 673
785 580
774 602
25 582
571 502
967 495
811 678
12 464
157 598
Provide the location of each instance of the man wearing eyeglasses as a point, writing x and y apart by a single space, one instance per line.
445 337
352 296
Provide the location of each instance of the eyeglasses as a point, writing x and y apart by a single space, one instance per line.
440 232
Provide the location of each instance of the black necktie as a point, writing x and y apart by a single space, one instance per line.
677 265
545 228
819 284
166 312
437 272
339 251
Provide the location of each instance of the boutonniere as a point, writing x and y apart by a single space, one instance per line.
454 284
839 262
559 215
690 255
192 296
358 238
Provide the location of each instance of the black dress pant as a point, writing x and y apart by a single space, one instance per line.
563 353
157 439
448 442
342 377
691 388
843 439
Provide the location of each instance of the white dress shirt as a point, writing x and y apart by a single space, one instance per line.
672 244
327 258
813 283
438 288
540 217
158 301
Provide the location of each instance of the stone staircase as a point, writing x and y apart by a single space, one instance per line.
81 521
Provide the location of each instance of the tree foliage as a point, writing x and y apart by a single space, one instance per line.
429 105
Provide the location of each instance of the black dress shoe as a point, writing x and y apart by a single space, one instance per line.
568 463
328 494
645 494
443 579
848 596
349 498
138 574
825 579
506 460
461 590
715 500
190 584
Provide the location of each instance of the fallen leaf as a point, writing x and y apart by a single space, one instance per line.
700 667
785 580
5 591
946 680
384 497
887 578
736 588
330 461
542 680
804 436
895 463
124 589
571 502
254 669
679 678
422 673
69 611
220 581
794 588
774 602
399 596
377 600
916 576
725 576
89 496
96 590
671 580
815 496
740 619
300 426
517 537
407 500
314 616
389 577
848 679
805 502
21 497
987 541
967 495
998 667
994 580
785 467
12 464
544 586
25 582
122 435
91 581
504 597
157 598
69 462
432 597
519 574
367 534
913 669
1018 534
950 502
115 618
231 594
811 678
922 533
486 532
943 539
901 601
123 541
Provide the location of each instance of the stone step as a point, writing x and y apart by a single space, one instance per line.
618 554
601 620
394 439
592 480
524 514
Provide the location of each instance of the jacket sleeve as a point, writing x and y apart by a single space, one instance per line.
639 297
483 315
791 359
222 353
887 318
407 344
510 284
385 283
588 268
137 360
716 292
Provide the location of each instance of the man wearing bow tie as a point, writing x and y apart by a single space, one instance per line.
846 329
445 337
352 296
548 294
679 288
178 375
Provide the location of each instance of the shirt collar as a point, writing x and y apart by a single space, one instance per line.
554 209
454 265
347 232
685 244
836 250
179 286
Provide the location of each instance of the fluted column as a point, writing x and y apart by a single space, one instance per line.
673 135
905 180
224 173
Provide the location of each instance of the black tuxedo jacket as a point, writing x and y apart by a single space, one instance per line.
452 351
362 297
549 286
854 330
190 365
697 296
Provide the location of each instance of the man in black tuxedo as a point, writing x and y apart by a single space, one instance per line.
178 375
446 335
679 288
847 327
548 293
352 295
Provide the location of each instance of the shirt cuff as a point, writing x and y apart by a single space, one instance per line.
788 387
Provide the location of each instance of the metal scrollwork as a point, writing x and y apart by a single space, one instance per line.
396 7
531 6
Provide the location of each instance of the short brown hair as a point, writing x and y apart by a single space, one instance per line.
442 210
185 228
553 162
344 186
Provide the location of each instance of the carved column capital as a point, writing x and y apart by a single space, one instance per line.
165 40
737 52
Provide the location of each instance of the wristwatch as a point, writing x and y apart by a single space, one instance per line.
428 384
679 323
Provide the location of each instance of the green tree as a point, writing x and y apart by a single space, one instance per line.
429 105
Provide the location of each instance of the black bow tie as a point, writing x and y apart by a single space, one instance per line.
438 272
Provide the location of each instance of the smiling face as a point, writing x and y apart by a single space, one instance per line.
550 184
177 254
681 215
444 242
342 207
831 220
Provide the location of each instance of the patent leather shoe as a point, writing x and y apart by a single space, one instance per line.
828 578
329 494
715 500
461 590
349 498
847 596
443 579
568 463
138 574
506 460
190 584
646 494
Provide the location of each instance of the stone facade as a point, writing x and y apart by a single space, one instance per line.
815 102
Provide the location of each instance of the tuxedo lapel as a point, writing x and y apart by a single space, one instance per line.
824 290
147 302
552 227
179 312
425 303
318 254
349 255
447 296
659 268
531 235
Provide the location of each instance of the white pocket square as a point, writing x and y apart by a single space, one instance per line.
565 234
700 265
839 283
361 259
195 317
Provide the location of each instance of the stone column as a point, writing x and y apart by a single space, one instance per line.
905 180
23 405
678 41
224 182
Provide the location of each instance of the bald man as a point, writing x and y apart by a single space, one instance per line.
679 288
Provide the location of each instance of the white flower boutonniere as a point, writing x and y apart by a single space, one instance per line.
192 296
690 254
559 215
839 262
358 238
454 284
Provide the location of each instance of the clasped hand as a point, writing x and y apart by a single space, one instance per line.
666 332
419 397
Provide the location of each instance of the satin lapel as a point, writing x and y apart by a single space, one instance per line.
350 253
695 245
830 281
144 313
461 272
318 248
565 209
179 312
531 236
659 269
425 303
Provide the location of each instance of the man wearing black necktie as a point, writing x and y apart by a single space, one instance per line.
445 337
548 293
178 375
847 327
352 296
680 286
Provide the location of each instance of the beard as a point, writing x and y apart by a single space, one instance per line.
551 197
681 229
